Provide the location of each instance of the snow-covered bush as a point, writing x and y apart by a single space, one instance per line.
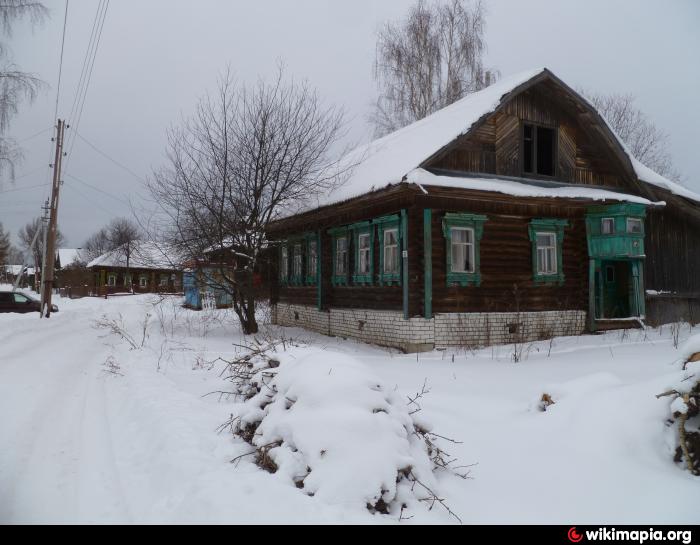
327 424
685 406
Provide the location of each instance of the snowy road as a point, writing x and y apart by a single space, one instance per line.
79 444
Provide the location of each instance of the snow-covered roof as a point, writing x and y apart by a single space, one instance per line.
12 269
70 256
388 160
425 179
142 255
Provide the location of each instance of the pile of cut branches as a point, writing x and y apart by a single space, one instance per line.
326 423
685 408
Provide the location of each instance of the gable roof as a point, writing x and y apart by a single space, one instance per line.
143 255
390 159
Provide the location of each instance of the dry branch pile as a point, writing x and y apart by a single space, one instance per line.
685 408
323 421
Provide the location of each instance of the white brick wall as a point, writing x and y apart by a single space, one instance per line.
388 328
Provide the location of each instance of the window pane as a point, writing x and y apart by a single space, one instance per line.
528 148
364 241
608 226
19 298
546 253
462 251
545 151
634 225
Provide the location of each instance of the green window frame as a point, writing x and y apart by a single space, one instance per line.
473 223
555 229
312 256
362 234
340 237
385 227
297 262
284 263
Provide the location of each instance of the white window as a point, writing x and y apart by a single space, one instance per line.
313 257
341 256
363 253
297 261
462 251
607 226
143 281
284 263
546 253
391 251
127 280
634 225
112 280
163 280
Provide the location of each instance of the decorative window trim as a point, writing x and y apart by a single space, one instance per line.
358 230
143 281
555 226
337 234
311 276
387 223
475 222
112 280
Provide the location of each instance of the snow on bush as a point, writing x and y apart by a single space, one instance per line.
685 406
326 423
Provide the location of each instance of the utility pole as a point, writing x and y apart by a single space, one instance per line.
47 274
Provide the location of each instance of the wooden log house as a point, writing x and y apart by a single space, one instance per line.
514 214
143 267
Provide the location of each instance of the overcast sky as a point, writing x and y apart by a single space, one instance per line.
157 57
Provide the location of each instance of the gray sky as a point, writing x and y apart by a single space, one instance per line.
157 57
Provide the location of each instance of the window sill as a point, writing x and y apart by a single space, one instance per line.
463 279
390 279
365 279
339 281
549 279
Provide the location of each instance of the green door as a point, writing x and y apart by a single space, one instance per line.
616 284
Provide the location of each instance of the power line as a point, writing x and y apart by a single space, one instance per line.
21 188
120 165
60 62
79 113
47 129
97 189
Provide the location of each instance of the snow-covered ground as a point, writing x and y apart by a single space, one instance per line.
94 430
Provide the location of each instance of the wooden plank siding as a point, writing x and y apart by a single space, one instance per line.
493 147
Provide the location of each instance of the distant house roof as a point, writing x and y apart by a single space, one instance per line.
142 255
389 160
70 256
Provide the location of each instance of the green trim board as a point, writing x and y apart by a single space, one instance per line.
475 222
549 226
404 260
427 263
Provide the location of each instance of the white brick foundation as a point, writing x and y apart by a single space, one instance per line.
388 328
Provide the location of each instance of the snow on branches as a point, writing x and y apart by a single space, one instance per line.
324 422
685 406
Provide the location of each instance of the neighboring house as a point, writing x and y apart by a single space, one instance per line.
71 275
8 273
205 281
69 257
142 268
514 214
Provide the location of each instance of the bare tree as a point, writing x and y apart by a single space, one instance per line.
26 235
429 60
645 140
15 85
5 246
96 245
248 153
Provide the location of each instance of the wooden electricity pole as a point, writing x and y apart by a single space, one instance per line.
47 273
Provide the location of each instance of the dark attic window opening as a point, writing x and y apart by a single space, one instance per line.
539 150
